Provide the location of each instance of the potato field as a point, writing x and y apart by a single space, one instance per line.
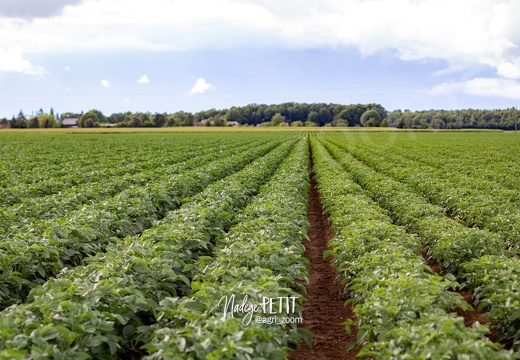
199 245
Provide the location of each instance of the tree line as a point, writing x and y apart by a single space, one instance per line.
39 120
288 114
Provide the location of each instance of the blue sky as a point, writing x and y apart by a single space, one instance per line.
191 55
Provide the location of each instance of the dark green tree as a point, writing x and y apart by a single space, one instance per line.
234 114
341 123
92 118
47 121
352 114
313 117
135 121
277 119
33 123
159 120
370 118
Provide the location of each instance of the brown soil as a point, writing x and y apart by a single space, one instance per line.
472 316
323 312
432 263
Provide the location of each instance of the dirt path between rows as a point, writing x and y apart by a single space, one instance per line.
323 312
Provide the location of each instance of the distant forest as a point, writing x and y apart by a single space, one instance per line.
287 114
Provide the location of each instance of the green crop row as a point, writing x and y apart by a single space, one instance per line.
37 165
456 248
106 307
68 167
27 260
404 311
482 155
34 213
450 243
493 158
495 284
261 256
28 156
474 201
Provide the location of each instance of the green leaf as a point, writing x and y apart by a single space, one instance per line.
128 330
348 301
362 333
306 335
351 345
181 343
184 279
140 267
41 271
195 305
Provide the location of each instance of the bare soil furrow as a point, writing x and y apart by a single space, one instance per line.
324 313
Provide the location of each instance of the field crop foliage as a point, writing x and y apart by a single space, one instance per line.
123 245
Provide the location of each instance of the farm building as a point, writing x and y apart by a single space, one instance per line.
70 123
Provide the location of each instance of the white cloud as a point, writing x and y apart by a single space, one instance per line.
494 87
451 69
201 86
510 69
12 60
67 69
462 32
33 8
143 80
105 83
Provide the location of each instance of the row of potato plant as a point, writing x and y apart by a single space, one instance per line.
495 157
260 256
68 165
450 243
29 259
404 311
458 171
38 210
495 284
474 201
457 249
25 167
59 154
104 309
69 168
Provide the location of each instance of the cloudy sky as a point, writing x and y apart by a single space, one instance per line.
170 55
